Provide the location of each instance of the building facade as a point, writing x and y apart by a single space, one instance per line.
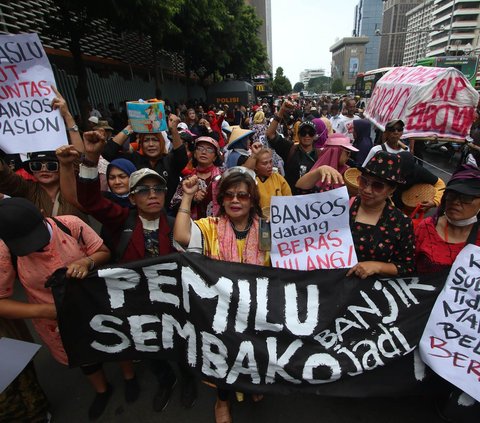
368 20
263 10
419 24
394 30
308 74
459 24
348 58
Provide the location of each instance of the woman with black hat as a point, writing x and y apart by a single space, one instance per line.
382 234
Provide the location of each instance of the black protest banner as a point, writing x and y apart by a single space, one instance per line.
250 327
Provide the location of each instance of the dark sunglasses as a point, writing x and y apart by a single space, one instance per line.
38 166
240 196
304 133
364 182
395 129
145 190
463 198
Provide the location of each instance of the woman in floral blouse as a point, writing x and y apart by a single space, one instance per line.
382 234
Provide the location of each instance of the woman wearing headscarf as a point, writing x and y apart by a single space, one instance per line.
335 153
362 140
322 132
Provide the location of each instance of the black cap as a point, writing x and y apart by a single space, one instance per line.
22 226
307 124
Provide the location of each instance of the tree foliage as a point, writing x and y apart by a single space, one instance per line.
337 86
319 84
299 86
281 84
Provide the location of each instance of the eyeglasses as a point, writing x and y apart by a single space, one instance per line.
307 133
202 149
39 166
395 130
463 198
240 196
364 182
145 190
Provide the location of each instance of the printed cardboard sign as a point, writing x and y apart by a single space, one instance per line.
450 344
147 117
312 231
27 121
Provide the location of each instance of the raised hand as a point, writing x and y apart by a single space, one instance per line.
67 154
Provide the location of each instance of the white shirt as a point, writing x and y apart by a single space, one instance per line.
373 150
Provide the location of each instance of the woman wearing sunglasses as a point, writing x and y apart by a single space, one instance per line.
206 162
231 236
439 239
382 234
44 191
391 140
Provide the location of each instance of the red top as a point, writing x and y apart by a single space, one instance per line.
432 253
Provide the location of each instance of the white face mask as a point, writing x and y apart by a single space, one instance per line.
463 222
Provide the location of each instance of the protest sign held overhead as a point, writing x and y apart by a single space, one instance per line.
431 101
252 328
27 121
147 116
450 344
312 231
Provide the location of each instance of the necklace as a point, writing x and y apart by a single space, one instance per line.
243 233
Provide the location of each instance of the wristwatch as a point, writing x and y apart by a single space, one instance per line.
126 132
74 128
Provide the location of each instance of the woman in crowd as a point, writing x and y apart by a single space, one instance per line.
155 156
439 239
335 153
232 236
192 121
41 246
269 183
322 132
382 234
206 164
362 139
391 140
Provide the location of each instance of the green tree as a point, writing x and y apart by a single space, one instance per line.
299 86
337 86
319 84
281 84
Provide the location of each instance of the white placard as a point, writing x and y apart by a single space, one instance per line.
450 344
27 121
312 231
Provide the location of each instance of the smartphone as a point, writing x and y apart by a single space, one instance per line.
264 236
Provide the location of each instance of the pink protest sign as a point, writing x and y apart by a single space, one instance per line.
431 101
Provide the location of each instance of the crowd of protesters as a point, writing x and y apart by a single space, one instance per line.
203 186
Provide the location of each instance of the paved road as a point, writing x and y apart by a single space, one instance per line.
70 394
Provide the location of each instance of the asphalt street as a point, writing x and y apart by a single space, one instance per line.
70 394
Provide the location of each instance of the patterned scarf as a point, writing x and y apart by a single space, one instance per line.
228 243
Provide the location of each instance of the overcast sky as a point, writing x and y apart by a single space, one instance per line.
304 30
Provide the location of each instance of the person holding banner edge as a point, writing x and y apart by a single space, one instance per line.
439 239
136 233
232 236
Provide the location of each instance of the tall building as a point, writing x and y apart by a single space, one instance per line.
308 74
394 29
460 20
419 24
368 20
348 58
263 10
